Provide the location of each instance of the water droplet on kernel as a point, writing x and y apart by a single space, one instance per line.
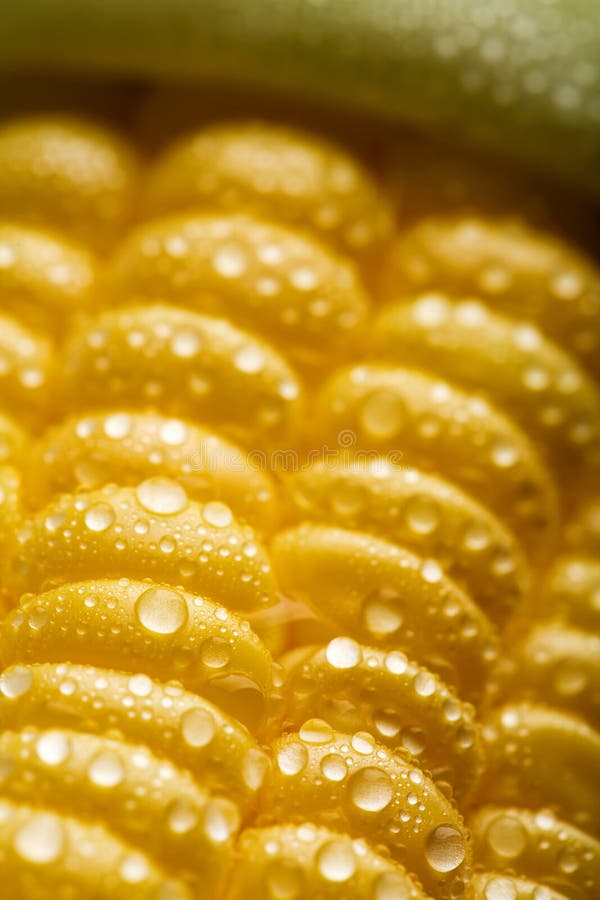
371 789
316 731
343 653
221 820
16 682
99 517
140 685
162 610
53 748
198 728
106 770
292 758
117 426
381 614
336 861
382 415
334 767
162 496
134 868
445 849
507 837
41 839
173 432
182 817
217 514
215 652
422 515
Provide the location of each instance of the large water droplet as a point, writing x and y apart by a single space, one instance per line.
336 861
371 789
382 415
217 514
99 517
445 849
15 682
382 613
506 836
316 731
41 839
334 767
53 748
106 769
343 653
162 496
292 758
162 610
198 727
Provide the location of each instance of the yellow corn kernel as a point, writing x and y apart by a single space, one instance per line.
556 665
144 799
404 705
191 732
422 513
539 756
417 419
514 269
380 796
281 284
140 626
125 447
539 846
282 174
491 886
27 374
382 595
184 364
44 281
152 530
11 511
305 862
46 855
538 384
67 175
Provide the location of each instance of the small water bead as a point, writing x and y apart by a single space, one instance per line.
117 426
53 748
292 758
507 837
568 862
371 789
16 682
215 653
445 849
106 769
284 880
343 653
167 544
198 728
499 888
99 517
382 415
134 869
316 731
217 514
333 767
162 610
41 839
162 496
381 614
336 861
504 454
